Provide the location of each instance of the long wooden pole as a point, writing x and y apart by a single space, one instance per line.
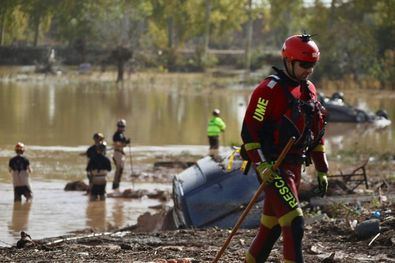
132 174
254 198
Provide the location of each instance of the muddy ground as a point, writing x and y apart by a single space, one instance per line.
330 236
330 240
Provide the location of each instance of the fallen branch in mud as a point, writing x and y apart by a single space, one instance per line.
373 239
57 241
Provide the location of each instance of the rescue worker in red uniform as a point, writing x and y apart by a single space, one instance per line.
284 105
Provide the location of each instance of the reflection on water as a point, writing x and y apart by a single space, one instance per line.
20 218
165 114
367 135
96 215
118 214
69 113
159 109
98 220
55 212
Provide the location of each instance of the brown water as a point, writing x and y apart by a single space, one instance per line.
165 114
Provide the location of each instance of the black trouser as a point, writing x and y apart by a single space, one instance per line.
214 142
98 191
22 190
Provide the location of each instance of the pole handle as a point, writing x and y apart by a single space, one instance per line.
253 199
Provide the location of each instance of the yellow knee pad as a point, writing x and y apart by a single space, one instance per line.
286 219
249 258
268 221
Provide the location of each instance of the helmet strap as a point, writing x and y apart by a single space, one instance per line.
290 73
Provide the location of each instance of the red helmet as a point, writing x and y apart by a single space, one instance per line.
19 147
300 47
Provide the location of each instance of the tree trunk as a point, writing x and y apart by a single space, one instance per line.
332 15
247 52
121 67
2 29
170 32
36 31
207 27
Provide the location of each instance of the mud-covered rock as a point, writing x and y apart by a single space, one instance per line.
76 186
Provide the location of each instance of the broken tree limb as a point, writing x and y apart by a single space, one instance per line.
60 240
373 239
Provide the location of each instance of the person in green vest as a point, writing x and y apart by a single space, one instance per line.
215 126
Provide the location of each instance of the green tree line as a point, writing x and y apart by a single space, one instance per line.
356 37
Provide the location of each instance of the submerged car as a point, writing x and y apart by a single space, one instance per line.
340 111
215 193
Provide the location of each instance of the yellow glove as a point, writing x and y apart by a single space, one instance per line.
322 182
267 177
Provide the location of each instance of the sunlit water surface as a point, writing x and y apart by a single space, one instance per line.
166 114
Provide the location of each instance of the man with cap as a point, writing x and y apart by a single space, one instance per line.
98 167
119 142
98 138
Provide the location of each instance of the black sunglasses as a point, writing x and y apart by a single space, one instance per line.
306 64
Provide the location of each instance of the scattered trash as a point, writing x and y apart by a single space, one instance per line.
376 214
318 248
348 182
373 239
242 241
367 228
353 224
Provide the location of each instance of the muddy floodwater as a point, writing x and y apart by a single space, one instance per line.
166 114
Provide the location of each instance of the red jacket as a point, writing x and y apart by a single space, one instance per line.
278 109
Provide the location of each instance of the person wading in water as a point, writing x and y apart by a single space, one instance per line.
119 142
98 167
19 167
91 152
